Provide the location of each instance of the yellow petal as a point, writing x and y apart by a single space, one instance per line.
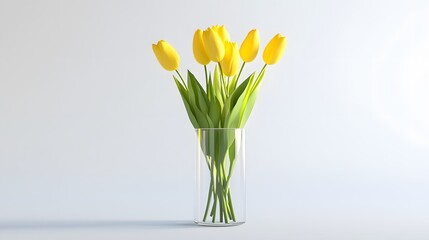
250 46
166 55
274 49
223 33
213 45
198 48
231 62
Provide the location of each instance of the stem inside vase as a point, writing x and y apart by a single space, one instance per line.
219 151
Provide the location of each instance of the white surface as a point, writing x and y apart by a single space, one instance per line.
95 142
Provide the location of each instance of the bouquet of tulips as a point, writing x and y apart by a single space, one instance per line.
225 102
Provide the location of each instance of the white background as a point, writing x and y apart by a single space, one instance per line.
95 142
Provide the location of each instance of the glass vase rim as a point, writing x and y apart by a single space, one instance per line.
219 128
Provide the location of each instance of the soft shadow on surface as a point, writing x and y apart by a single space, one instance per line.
88 224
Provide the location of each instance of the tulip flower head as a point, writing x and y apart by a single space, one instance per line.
250 46
213 45
198 48
223 33
166 55
231 61
275 49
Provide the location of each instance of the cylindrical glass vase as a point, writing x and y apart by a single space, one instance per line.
220 188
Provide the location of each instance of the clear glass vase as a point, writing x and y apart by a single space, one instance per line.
221 193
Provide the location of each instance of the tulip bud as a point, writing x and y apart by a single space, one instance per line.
166 55
274 49
213 45
231 61
223 33
250 46
198 48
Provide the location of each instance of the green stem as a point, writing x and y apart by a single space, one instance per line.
205 72
209 197
221 72
219 190
230 203
225 206
219 195
182 80
222 82
241 69
207 83
228 86
259 75
225 190
231 168
263 68
213 213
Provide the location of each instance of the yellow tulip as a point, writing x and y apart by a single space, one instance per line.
223 33
213 45
198 48
166 55
231 61
250 46
274 49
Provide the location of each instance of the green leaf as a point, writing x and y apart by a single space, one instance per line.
226 139
202 119
217 86
231 152
215 144
233 98
232 160
207 142
259 79
198 92
233 119
247 108
215 112
189 109
232 84
238 91
210 122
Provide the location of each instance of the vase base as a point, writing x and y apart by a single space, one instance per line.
218 224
